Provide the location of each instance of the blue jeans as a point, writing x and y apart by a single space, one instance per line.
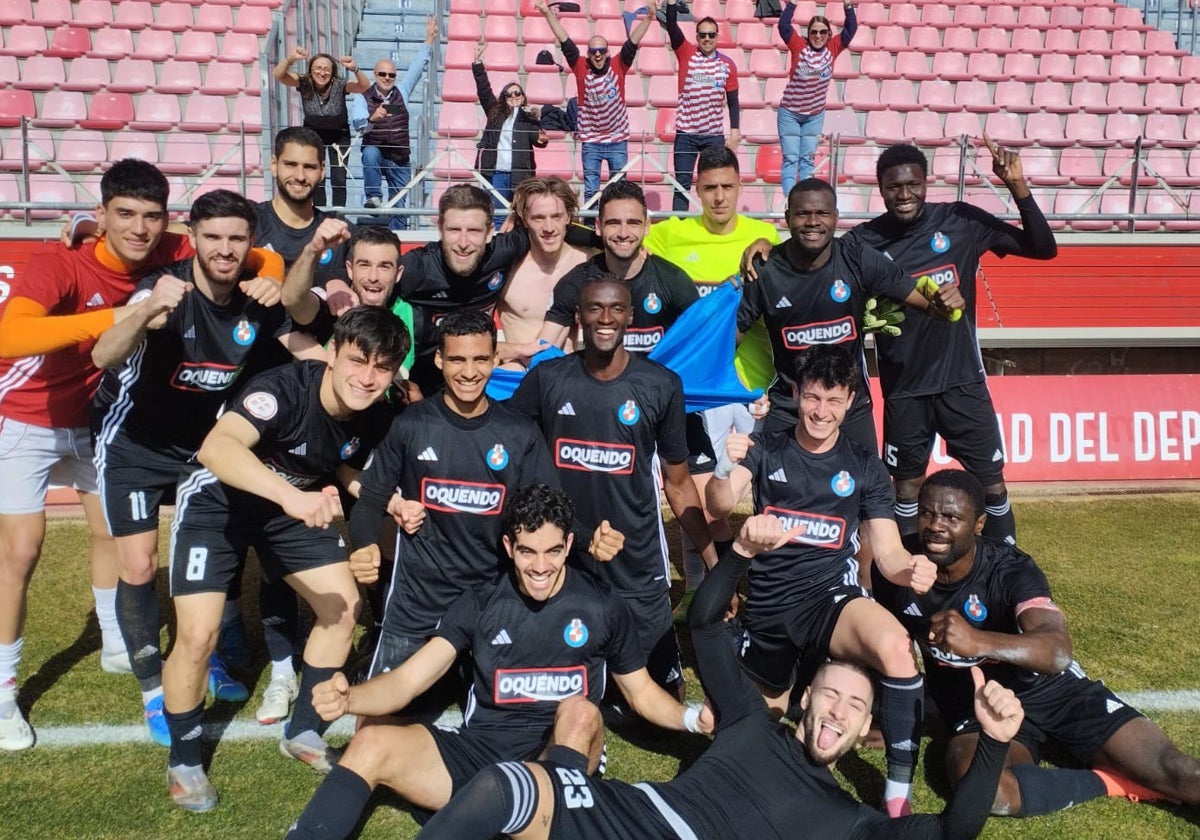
687 148
502 183
376 167
799 135
617 155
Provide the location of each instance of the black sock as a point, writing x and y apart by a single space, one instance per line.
187 741
304 716
334 809
280 619
567 757
1001 524
722 546
1044 791
500 799
900 707
906 516
138 617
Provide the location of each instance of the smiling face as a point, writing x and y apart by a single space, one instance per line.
837 712
821 411
546 219
539 559
622 226
604 314
597 53
947 524
373 269
812 218
466 362
818 33
354 380
221 244
132 227
297 171
903 191
465 234
385 76
321 71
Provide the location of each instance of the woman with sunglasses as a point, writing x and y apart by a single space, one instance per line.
323 98
505 152
801 113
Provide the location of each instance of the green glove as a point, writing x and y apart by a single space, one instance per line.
882 316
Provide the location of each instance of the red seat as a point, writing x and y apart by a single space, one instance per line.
844 125
886 127
645 165
51 13
70 42
247 115
945 166
547 88
858 164
937 95
1007 129
1123 128
198 46
253 19
924 128
61 109
905 14
1093 68
1046 129
134 14
81 151
213 18
1163 204
16 12
205 113
986 66
761 127
459 86
1001 15
1081 166
768 63
1027 41
1128 42
156 112
927 39
458 119
656 63
93 14
1066 17
974 96
1040 166
233 157
1091 96
185 154
1087 129
109 111
112 44
750 94
1130 68
664 125
176 76
993 41
38 149
663 92
768 164
241 47
1034 17
23 40
8 67
1058 67
52 190
39 72
141 145
176 17
460 54
950 66
1127 98
1100 41
1014 97
155 45
1098 17
1164 129
891 38
959 123
87 75
936 14
15 105
534 30
899 95
1164 68
959 40
913 66
862 94
752 37
969 14
132 75
1119 163
222 78
1021 67
1064 41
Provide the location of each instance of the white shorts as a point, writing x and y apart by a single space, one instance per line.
33 457
719 421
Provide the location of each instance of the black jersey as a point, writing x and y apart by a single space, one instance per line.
167 393
462 470
945 243
660 292
830 493
603 437
298 439
804 308
271 232
529 655
1002 583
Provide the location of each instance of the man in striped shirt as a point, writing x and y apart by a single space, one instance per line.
707 80
603 118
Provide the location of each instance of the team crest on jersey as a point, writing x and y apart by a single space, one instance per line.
575 634
450 496
819 530
497 457
244 333
531 685
326 256
826 71
939 243
975 609
260 404
496 281
629 413
350 447
842 484
593 456
839 291
652 303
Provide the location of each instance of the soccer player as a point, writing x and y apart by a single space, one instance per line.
991 607
708 81
804 599
543 639
170 366
812 290
660 291
603 131
263 464
758 779
932 373
53 314
606 413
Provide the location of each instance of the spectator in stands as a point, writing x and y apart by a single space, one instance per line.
385 148
802 109
323 97
505 155
705 79
603 117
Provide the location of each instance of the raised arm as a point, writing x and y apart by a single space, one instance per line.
116 344
483 85
1035 240
639 31
786 30
915 571
557 28
672 25
730 481
297 297
358 83
283 70
415 70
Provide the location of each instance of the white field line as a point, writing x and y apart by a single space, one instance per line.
1184 700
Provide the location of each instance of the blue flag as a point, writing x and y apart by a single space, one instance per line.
504 383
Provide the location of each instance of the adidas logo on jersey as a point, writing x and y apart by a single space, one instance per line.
914 610
428 455
997 456
779 476
440 295
784 303
567 410
191 332
300 450
1113 705
702 459
95 300
502 638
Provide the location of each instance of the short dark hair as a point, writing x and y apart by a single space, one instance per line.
136 179
376 332
717 157
604 278
465 197
219 204
535 505
811 185
901 154
711 20
372 235
619 189
466 322
299 135
962 481
832 365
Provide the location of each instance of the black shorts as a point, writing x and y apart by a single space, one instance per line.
701 458
590 809
656 631
135 480
207 553
858 425
965 418
466 751
1080 714
772 647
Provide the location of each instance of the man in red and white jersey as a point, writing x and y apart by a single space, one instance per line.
603 128
708 81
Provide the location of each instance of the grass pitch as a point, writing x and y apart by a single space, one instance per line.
1122 568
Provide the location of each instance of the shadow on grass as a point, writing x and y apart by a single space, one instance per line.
58 665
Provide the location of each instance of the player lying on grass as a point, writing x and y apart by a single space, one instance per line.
758 780
542 640
991 607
